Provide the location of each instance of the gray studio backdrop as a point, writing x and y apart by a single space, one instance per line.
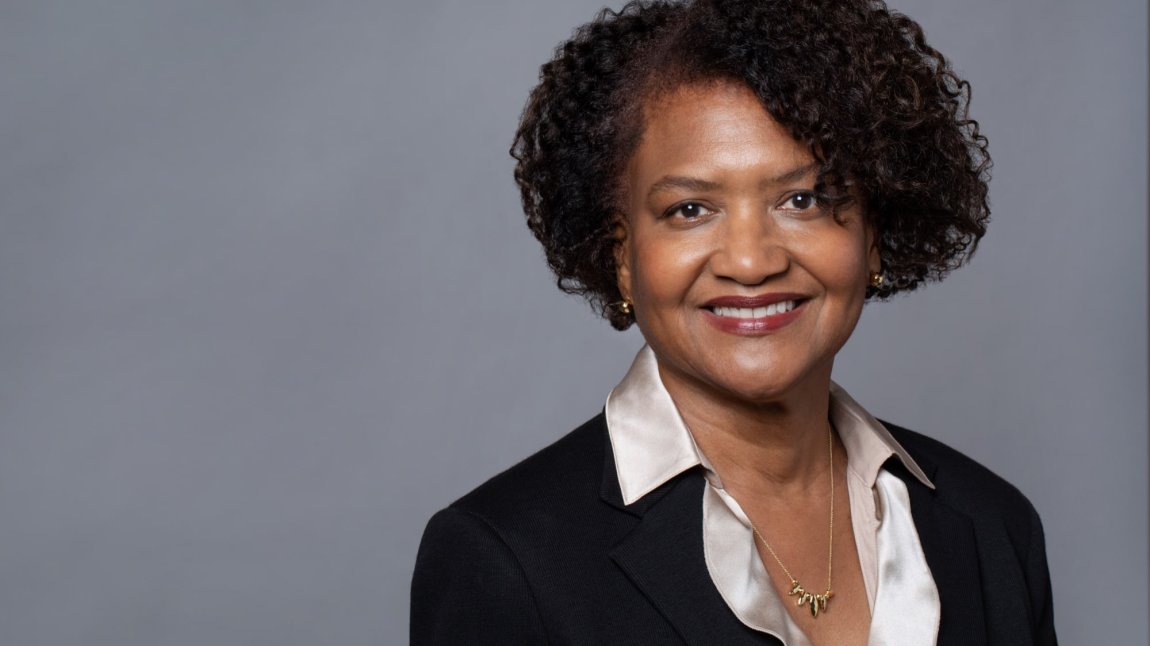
267 302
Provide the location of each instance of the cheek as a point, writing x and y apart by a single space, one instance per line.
665 269
842 261
839 264
849 274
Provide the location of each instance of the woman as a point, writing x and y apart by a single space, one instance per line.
737 177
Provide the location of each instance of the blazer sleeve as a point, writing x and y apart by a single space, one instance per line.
1041 603
469 587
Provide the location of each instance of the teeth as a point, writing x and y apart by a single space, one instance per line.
755 312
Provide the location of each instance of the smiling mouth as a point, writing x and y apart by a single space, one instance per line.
755 315
781 307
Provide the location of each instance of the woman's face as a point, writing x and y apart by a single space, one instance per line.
741 282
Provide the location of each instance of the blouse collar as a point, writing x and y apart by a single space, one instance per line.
652 444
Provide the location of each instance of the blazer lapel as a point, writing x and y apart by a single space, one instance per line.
948 542
663 557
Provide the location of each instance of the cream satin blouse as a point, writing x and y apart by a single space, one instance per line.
652 444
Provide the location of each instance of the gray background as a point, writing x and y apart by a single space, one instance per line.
267 302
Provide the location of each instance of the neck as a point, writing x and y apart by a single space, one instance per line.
781 443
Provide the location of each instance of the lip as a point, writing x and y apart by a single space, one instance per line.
754 326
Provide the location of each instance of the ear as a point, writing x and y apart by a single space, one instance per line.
622 254
874 258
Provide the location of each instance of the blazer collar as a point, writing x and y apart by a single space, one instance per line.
663 558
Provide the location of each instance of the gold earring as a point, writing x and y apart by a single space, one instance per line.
625 306
876 279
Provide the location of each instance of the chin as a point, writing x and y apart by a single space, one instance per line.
756 388
765 381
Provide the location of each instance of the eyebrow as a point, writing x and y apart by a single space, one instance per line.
695 184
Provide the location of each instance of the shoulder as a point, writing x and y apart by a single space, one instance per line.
485 561
550 497
960 480
564 472
1002 516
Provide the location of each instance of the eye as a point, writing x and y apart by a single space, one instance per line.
688 211
802 201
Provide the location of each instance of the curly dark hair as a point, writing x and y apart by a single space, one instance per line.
879 108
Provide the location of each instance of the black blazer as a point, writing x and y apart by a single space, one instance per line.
547 553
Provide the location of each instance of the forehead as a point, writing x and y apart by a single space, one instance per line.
712 127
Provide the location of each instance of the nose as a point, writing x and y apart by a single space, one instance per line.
748 248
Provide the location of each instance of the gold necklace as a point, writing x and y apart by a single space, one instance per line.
816 602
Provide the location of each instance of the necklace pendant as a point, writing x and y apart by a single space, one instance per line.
815 602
